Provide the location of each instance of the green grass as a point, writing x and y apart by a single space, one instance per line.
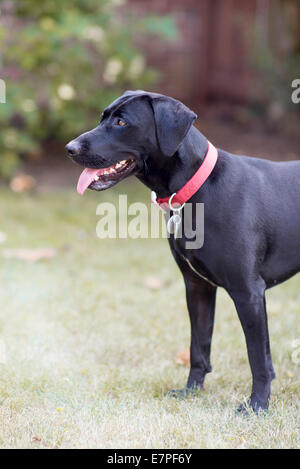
90 347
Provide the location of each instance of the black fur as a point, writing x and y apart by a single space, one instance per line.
252 220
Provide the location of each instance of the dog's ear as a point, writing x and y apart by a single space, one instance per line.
173 121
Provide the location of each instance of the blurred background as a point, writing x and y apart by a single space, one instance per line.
63 61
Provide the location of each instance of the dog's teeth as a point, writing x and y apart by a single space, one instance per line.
96 178
118 165
105 172
111 170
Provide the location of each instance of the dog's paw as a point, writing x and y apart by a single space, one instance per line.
244 409
252 405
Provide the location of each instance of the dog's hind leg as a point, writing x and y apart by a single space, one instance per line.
201 299
269 356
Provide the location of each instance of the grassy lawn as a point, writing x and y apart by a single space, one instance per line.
89 345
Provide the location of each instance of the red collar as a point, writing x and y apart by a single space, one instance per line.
194 184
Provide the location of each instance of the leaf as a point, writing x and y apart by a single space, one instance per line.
183 358
22 183
29 255
37 440
154 283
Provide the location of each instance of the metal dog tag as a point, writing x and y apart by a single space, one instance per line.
173 224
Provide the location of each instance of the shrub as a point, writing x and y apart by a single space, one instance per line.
65 60
276 57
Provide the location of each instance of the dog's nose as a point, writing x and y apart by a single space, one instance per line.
73 148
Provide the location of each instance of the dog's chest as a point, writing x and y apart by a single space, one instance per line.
190 259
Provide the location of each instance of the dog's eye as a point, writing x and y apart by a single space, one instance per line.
121 122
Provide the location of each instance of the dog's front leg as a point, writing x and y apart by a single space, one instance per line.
201 299
251 309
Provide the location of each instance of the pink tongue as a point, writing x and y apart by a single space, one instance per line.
86 178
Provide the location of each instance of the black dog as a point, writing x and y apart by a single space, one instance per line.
252 218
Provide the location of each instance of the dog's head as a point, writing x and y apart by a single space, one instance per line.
136 127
